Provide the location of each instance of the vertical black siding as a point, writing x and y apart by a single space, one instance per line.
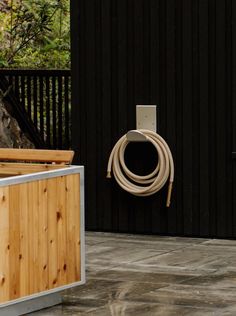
233 117
204 117
180 55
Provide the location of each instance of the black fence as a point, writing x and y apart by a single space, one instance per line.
45 95
181 56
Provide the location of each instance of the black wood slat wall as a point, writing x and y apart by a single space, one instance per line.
180 55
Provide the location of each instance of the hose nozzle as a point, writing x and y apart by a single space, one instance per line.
108 174
170 187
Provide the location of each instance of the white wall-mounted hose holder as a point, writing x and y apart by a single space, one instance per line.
146 118
146 130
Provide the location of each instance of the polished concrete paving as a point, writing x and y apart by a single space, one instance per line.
150 275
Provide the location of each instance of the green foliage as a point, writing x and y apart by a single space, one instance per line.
35 33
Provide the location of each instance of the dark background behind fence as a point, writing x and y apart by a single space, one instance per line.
180 55
45 98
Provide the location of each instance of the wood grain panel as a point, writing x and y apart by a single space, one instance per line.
33 222
61 230
73 221
76 215
4 244
39 236
37 155
70 230
52 233
43 235
14 242
14 169
24 240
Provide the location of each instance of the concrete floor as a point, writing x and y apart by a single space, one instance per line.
151 275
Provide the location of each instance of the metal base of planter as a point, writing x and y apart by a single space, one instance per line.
31 305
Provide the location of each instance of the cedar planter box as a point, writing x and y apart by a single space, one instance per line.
41 229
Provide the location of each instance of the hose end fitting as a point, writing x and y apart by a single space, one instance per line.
108 174
170 187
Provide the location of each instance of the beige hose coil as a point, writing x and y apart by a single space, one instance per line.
148 184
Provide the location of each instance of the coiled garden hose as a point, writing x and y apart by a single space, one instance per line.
148 184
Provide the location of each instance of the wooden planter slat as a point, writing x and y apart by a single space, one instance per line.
26 168
43 233
4 242
57 156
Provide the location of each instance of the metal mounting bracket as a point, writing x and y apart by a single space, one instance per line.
146 118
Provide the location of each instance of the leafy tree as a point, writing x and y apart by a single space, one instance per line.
35 33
